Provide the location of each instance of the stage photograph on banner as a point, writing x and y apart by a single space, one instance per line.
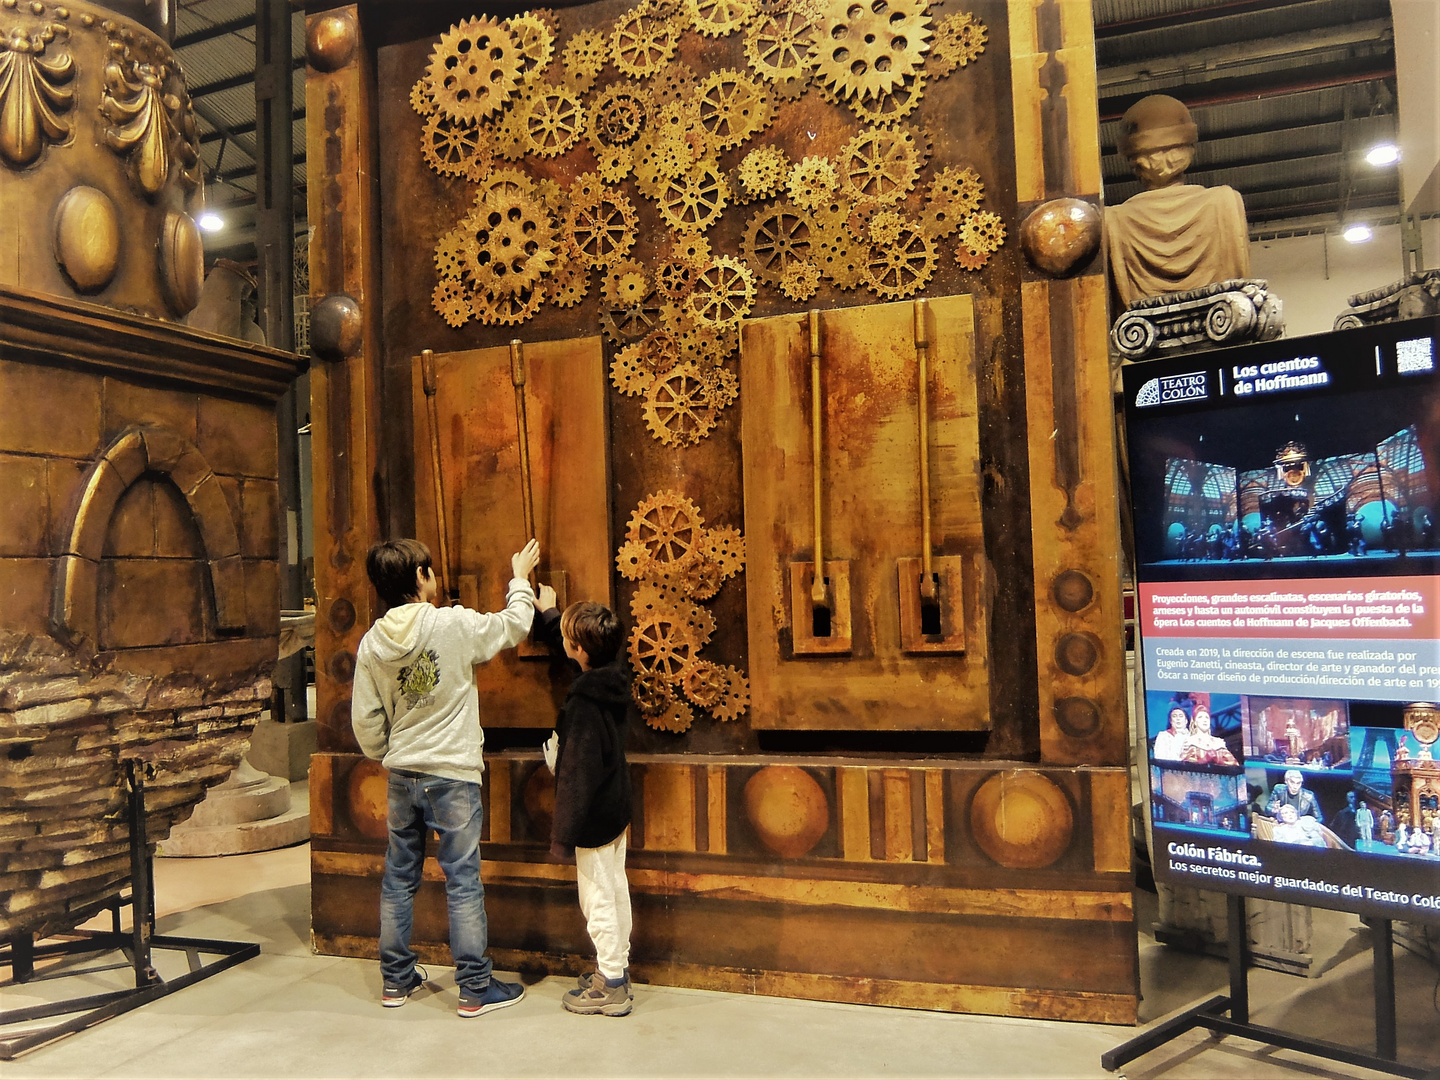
1286 502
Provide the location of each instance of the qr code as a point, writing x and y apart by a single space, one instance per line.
1416 355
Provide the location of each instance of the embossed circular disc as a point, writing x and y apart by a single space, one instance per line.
87 238
335 327
342 665
182 262
1021 819
366 796
1072 590
787 808
1077 717
1061 236
342 615
340 715
1076 654
330 41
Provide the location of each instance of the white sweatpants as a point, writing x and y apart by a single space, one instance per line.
605 901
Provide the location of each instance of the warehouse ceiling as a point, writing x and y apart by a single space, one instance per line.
1288 96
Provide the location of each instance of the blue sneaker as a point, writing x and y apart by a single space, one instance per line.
495 996
392 997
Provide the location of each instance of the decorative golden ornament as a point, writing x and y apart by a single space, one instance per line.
982 232
584 57
182 262
800 281
87 238
368 800
776 238
881 165
536 42
330 40
151 120
666 642
959 40
868 48
34 91
788 810
694 200
1061 236
553 121
679 409
724 293
642 43
732 108
1021 819
903 266
667 527
703 682
778 46
474 69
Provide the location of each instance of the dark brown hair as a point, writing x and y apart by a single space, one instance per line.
392 565
594 628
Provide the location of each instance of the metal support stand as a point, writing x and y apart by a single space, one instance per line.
138 944
1211 1014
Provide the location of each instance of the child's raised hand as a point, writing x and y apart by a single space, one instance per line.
546 600
524 561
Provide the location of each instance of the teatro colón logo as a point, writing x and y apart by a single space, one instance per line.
1168 389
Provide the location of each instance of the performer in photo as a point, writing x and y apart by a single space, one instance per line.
1291 828
1365 822
1170 744
1345 824
1203 747
1293 792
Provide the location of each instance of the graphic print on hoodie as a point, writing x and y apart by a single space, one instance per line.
417 680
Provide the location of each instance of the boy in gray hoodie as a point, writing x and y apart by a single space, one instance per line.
415 709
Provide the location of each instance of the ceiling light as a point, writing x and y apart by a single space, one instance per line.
211 221
1358 234
1384 154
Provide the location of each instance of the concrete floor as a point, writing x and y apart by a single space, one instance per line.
289 1013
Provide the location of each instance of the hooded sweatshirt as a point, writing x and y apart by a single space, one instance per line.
415 706
592 778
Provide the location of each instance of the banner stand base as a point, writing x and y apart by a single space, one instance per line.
1230 1015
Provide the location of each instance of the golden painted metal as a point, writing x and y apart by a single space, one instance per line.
437 476
330 40
87 238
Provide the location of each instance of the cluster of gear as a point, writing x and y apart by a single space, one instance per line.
679 563
497 91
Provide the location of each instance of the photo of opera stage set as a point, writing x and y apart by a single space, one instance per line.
1194 728
1397 780
1288 806
1301 733
1200 798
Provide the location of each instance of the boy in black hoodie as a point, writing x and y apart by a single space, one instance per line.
592 793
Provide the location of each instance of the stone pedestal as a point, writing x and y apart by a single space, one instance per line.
1216 316
251 811
1194 919
283 750
1412 297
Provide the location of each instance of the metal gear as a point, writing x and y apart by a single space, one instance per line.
584 57
570 279
904 266
553 121
665 642
719 18
703 346
509 136
867 47
678 409
515 244
692 247
629 373
420 99
602 227
634 310
812 182
736 699
652 693
724 546
454 253
613 163
450 300
626 283
694 200
619 113
778 45
667 526
800 281
959 40
956 192
510 309
881 165
724 293
775 238
982 232
632 560
896 105
676 719
674 83
886 227
474 69
703 580
660 350
451 147
837 252
733 107
704 683
764 171
676 277
536 42
971 260
506 183
642 43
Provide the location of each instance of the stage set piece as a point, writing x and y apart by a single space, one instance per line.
784 329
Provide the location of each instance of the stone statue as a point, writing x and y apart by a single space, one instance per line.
1178 253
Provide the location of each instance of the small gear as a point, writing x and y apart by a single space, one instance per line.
722 387
667 526
642 43
420 99
733 107
899 103
665 642
629 373
724 293
959 40
658 159
453 253
613 163
474 69
632 560
510 137
692 248
703 580
660 350
602 228
586 188
902 267
954 194
719 18
569 279
775 238
778 45
886 227
724 546
982 232
694 200
678 410
800 280
764 171
736 699
838 253
514 244
658 595
881 165
506 183
634 310
626 283
674 83
584 57
703 346
536 41
867 49
812 182
451 147
704 683
619 113
676 719
652 693
971 260
450 301
553 121
676 278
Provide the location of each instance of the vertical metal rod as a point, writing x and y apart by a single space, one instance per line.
1239 959
819 596
922 357
517 377
22 956
140 927
437 474
1382 935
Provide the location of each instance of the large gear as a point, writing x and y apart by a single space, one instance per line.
652 693
812 182
641 43
453 148
867 47
724 293
719 18
667 641
704 683
896 105
776 238
693 201
602 227
733 107
536 42
510 309
764 171
515 244
474 69
666 526
736 698
585 56
724 546
676 719
553 121
982 232
959 40
881 165
800 281
778 45
902 267
618 114
679 410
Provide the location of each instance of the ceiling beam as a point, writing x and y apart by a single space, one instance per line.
245 78
213 31
1254 87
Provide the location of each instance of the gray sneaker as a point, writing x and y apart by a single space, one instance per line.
584 982
599 998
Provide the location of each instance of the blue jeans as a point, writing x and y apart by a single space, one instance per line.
418 803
